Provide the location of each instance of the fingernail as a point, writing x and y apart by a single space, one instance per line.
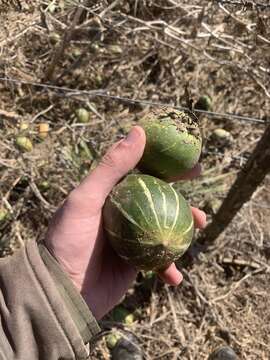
179 279
204 223
202 213
133 136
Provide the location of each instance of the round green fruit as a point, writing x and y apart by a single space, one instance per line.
173 143
3 215
204 103
121 314
112 339
24 143
147 222
83 116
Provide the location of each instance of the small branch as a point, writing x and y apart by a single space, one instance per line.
9 114
240 262
248 179
43 112
246 4
237 284
178 329
5 42
63 45
45 203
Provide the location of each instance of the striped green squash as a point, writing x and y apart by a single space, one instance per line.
148 223
173 142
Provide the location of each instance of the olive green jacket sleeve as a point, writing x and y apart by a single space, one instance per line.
42 314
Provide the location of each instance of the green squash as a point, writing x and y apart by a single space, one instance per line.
173 143
147 222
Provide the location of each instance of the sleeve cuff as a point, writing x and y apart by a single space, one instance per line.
78 309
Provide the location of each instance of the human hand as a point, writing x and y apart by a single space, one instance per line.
76 237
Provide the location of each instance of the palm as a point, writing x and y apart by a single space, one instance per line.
76 237
95 269
115 277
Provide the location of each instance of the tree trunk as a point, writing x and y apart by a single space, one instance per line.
248 179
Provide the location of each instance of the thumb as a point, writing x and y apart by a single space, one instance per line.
116 163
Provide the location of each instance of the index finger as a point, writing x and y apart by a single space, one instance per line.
171 275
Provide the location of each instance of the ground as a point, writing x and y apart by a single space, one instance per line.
147 50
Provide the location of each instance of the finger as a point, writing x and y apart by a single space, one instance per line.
191 174
117 162
171 275
199 217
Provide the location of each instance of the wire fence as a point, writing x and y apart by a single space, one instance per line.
246 4
69 92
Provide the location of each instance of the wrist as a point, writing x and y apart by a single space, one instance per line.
69 291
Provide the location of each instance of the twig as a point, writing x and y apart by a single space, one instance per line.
63 44
245 3
239 262
110 7
15 182
19 35
247 26
196 290
36 191
9 114
176 323
248 179
236 285
43 112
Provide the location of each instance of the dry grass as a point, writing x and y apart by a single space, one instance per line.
146 50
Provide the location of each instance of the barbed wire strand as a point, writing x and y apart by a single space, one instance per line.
245 4
105 94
